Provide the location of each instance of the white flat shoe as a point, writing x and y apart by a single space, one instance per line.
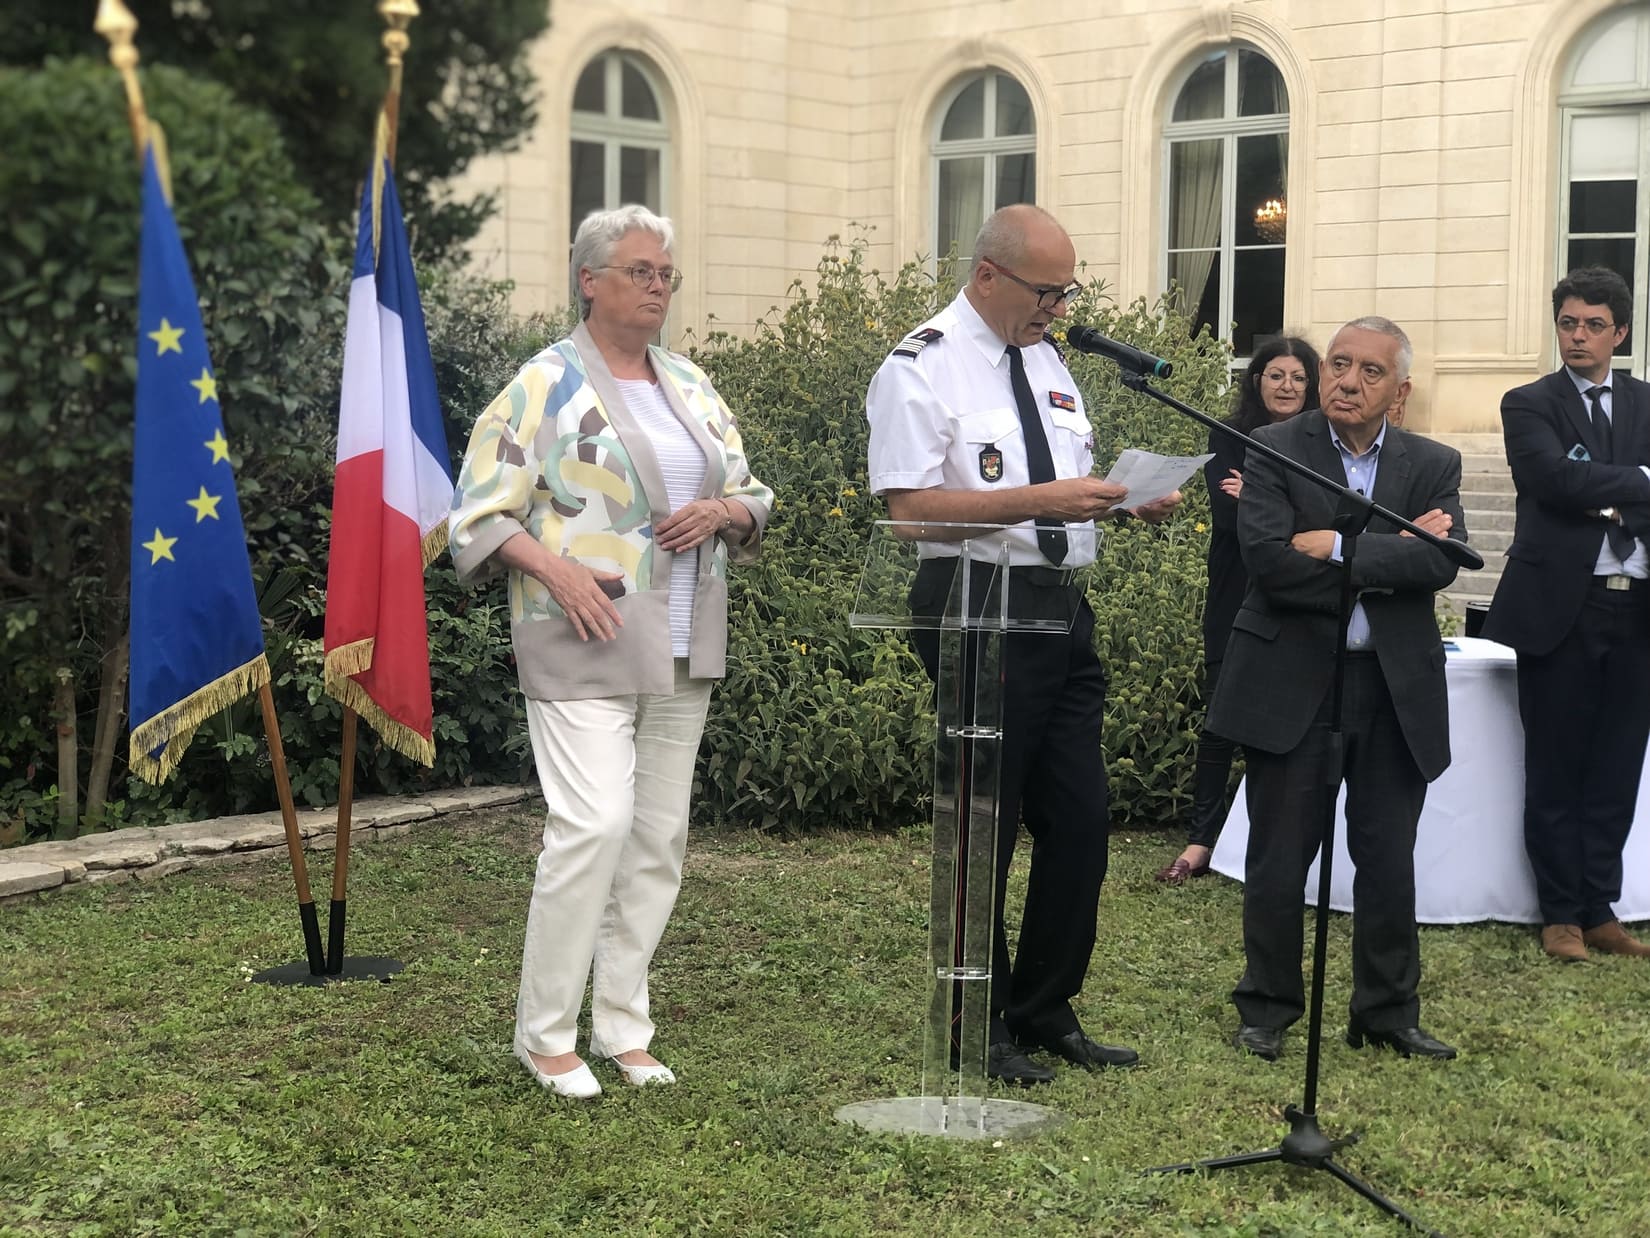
641 1076
577 1083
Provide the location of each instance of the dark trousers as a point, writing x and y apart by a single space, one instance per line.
1053 778
1290 796
1212 777
1586 713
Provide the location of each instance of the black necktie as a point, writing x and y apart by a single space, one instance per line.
1621 541
1601 421
1051 534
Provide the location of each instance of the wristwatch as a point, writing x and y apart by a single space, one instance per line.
1610 514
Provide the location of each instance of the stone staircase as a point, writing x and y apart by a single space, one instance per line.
1487 502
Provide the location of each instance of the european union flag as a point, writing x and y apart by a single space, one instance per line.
197 644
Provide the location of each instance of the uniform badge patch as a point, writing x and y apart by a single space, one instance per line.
914 343
991 464
1059 399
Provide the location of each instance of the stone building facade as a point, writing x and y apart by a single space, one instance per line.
1291 163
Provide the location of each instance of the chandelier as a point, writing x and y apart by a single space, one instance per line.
1272 220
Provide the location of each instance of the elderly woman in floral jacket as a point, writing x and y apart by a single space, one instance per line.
610 482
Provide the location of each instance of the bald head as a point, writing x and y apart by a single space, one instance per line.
1023 261
1008 235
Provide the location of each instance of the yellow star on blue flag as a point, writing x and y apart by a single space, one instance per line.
197 641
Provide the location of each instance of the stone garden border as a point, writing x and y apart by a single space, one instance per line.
147 853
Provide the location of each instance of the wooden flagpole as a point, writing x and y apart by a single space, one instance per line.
398 15
115 23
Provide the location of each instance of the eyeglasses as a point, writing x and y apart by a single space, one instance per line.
1048 295
643 275
1595 326
1279 379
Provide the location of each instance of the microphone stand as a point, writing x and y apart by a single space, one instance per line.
1305 1144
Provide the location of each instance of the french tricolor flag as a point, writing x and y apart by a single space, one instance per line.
391 490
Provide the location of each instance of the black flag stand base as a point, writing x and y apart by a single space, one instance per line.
317 967
362 967
333 967
1307 1146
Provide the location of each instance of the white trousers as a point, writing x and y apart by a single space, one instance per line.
617 774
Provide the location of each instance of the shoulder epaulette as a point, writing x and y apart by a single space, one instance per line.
914 343
1048 338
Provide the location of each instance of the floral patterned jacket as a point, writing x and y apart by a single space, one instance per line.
558 455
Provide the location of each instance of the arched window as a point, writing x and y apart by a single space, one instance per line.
1226 162
620 141
1604 109
985 157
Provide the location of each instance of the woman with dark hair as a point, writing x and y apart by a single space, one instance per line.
1281 380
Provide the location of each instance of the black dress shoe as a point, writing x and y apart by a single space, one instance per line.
1409 1041
1079 1050
1263 1042
1006 1062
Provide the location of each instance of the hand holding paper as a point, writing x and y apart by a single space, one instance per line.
1150 477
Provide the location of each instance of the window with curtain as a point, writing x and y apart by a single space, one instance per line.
1226 216
1604 123
985 157
620 141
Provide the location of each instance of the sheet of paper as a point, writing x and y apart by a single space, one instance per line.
1150 477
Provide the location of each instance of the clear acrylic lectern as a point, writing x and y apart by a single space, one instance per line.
954 592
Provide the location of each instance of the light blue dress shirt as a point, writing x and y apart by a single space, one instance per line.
1360 476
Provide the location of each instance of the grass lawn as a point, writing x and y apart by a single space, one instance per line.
146 1087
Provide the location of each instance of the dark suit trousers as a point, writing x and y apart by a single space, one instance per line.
1053 778
1586 712
1290 795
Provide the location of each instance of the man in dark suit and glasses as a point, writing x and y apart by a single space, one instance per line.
1274 696
1574 602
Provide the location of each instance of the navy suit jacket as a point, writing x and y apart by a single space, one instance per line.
1555 542
1280 658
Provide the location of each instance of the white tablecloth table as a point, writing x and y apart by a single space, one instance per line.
1469 850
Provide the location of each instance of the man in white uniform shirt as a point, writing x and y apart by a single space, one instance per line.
975 419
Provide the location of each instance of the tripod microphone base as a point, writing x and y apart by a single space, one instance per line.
1307 1146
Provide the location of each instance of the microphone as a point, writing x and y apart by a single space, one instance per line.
1087 339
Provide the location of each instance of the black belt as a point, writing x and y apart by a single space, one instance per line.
1044 577
1617 582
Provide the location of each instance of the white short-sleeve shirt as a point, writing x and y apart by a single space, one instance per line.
943 416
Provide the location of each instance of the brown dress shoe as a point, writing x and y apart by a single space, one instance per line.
1563 942
1611 938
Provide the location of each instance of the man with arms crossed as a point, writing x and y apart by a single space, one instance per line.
1275 692
1575 603
975 419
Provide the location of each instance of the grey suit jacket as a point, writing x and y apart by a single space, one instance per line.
1280 658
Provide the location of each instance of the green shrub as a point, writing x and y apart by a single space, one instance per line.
69 189
479 724
272 284
822 725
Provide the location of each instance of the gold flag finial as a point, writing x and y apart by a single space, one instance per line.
398 15
115 23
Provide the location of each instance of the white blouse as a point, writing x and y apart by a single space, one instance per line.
682 462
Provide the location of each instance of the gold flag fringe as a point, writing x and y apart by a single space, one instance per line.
173 728
435 541
347 660
408 742
163 163
380 160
